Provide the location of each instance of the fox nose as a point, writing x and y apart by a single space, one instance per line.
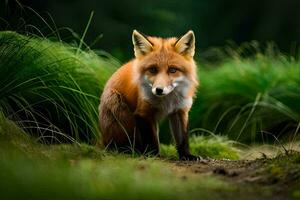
159 91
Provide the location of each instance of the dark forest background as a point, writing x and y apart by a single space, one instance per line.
215 22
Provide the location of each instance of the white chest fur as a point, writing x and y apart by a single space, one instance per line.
170 103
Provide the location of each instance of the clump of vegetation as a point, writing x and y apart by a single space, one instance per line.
281 171
250 99
216 147
51 89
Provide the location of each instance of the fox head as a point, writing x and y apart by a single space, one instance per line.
165 65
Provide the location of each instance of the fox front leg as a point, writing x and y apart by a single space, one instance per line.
147 132
178 122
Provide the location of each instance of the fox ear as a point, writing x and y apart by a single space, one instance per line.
186 44
141 44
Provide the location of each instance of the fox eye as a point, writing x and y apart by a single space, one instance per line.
153 70
172 70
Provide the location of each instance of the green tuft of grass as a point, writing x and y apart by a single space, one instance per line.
216 147
52 89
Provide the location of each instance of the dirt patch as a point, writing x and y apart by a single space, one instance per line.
277 178
238 171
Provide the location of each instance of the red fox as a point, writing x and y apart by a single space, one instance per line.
160 82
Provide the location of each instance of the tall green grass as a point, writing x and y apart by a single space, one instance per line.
51 89
251 99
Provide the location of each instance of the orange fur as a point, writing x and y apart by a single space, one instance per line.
124 105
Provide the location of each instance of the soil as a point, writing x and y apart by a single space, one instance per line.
252 179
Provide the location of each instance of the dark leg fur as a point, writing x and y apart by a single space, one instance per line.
179 128
148 132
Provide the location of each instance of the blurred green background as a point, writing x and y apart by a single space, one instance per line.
215 22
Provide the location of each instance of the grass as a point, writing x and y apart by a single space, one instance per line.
30 170
216 147
51 89
252 99
118 178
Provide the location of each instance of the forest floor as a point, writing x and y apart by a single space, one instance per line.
30 170
265 178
